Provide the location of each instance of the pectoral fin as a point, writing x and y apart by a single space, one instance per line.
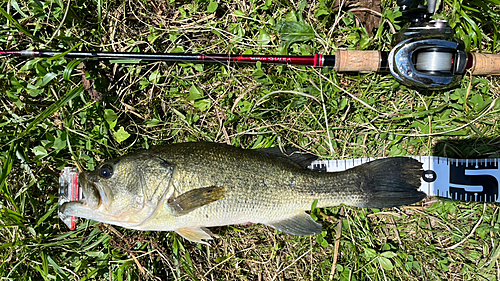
301 225
196 234
196 198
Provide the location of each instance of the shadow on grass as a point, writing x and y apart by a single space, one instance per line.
468 148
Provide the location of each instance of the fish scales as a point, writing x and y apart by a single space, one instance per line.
259 188
187 187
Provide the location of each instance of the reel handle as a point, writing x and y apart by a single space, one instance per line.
485 64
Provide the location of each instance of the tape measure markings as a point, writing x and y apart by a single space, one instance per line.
459 179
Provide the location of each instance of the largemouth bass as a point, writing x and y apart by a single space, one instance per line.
188 187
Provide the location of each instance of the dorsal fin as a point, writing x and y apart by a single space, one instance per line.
293 154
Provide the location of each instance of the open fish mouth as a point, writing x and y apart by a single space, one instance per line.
74 187
91 195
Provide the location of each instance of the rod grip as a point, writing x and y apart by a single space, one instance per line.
357 61
485 64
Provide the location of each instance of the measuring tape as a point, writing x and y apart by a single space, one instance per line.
459 179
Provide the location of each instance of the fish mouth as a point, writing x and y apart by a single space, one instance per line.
91 194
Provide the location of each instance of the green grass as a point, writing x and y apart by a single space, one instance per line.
48 121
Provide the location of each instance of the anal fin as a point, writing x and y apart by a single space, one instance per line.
196 234
301 225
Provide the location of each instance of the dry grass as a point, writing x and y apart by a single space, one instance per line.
249 106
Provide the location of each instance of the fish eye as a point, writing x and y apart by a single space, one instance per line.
106 171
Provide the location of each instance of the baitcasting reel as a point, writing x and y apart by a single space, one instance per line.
426 54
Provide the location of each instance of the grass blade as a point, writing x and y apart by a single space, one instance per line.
7 167
20 27
51 109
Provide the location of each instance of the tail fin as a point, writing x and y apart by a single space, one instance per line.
391 182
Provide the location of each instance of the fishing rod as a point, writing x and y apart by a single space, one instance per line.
426 54
346 60
427 63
